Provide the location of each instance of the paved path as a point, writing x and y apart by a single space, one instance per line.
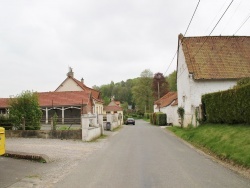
146 156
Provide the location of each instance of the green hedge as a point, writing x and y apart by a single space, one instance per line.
158 118
231 106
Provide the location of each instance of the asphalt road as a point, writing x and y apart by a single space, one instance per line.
13 170
147 156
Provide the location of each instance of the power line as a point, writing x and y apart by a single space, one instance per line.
209 34
242 24
192 18
214 27
184 35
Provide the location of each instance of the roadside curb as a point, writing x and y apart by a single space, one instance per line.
29 156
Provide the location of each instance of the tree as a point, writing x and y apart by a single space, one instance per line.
142 92
26 107
160 86
171 79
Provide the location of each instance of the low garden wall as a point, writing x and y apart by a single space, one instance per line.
46 134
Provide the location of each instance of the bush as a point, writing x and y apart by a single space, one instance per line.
231 106
158 118
5 122
147 115
161 119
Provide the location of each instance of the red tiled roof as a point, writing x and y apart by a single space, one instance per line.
167 99
95 93
4 102
112 108
65 98
217 57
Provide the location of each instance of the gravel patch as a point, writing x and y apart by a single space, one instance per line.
63 155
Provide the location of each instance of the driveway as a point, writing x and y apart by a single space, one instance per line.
63 155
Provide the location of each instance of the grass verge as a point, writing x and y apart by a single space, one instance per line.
228 142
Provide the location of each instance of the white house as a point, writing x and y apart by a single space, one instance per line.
168 104
209 64
72 84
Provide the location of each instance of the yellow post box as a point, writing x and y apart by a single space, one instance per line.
2 141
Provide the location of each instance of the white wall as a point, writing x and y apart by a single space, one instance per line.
69 85
171 111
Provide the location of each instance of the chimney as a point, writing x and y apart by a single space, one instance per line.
82 80
70 73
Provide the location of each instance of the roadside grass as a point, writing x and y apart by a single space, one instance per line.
228 142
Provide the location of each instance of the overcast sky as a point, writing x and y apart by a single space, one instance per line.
102 40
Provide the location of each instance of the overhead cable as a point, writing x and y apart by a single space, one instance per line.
184 35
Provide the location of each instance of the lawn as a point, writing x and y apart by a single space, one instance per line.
228 142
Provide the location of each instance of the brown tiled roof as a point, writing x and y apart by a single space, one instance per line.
217 57
112 108
167 99
4 102
65 98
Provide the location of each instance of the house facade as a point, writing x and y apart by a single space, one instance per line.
208 64
72 84
168 104
71 99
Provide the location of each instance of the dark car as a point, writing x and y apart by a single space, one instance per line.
130 121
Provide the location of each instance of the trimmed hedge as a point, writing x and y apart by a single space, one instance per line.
158 118
231 106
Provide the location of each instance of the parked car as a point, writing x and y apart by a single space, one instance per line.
130 121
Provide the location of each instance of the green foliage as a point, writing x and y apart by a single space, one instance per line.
181 113
159 81
243 82
147 115
161 119
142 92
227 142
158 118
172 81
25 106
5 122
231 106
122 91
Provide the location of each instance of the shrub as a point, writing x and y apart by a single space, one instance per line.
5 122
231 106
161 119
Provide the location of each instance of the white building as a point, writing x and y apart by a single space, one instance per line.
168 104
209 64
72 84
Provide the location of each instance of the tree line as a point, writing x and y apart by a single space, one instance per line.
139 93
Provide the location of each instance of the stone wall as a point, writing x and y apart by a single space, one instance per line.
57 134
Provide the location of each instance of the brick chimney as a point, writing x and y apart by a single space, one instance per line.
82 80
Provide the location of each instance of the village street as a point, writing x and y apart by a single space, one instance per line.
148 156
134 156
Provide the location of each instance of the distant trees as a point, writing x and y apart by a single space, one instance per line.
160 86
25 107
172 81
142 92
